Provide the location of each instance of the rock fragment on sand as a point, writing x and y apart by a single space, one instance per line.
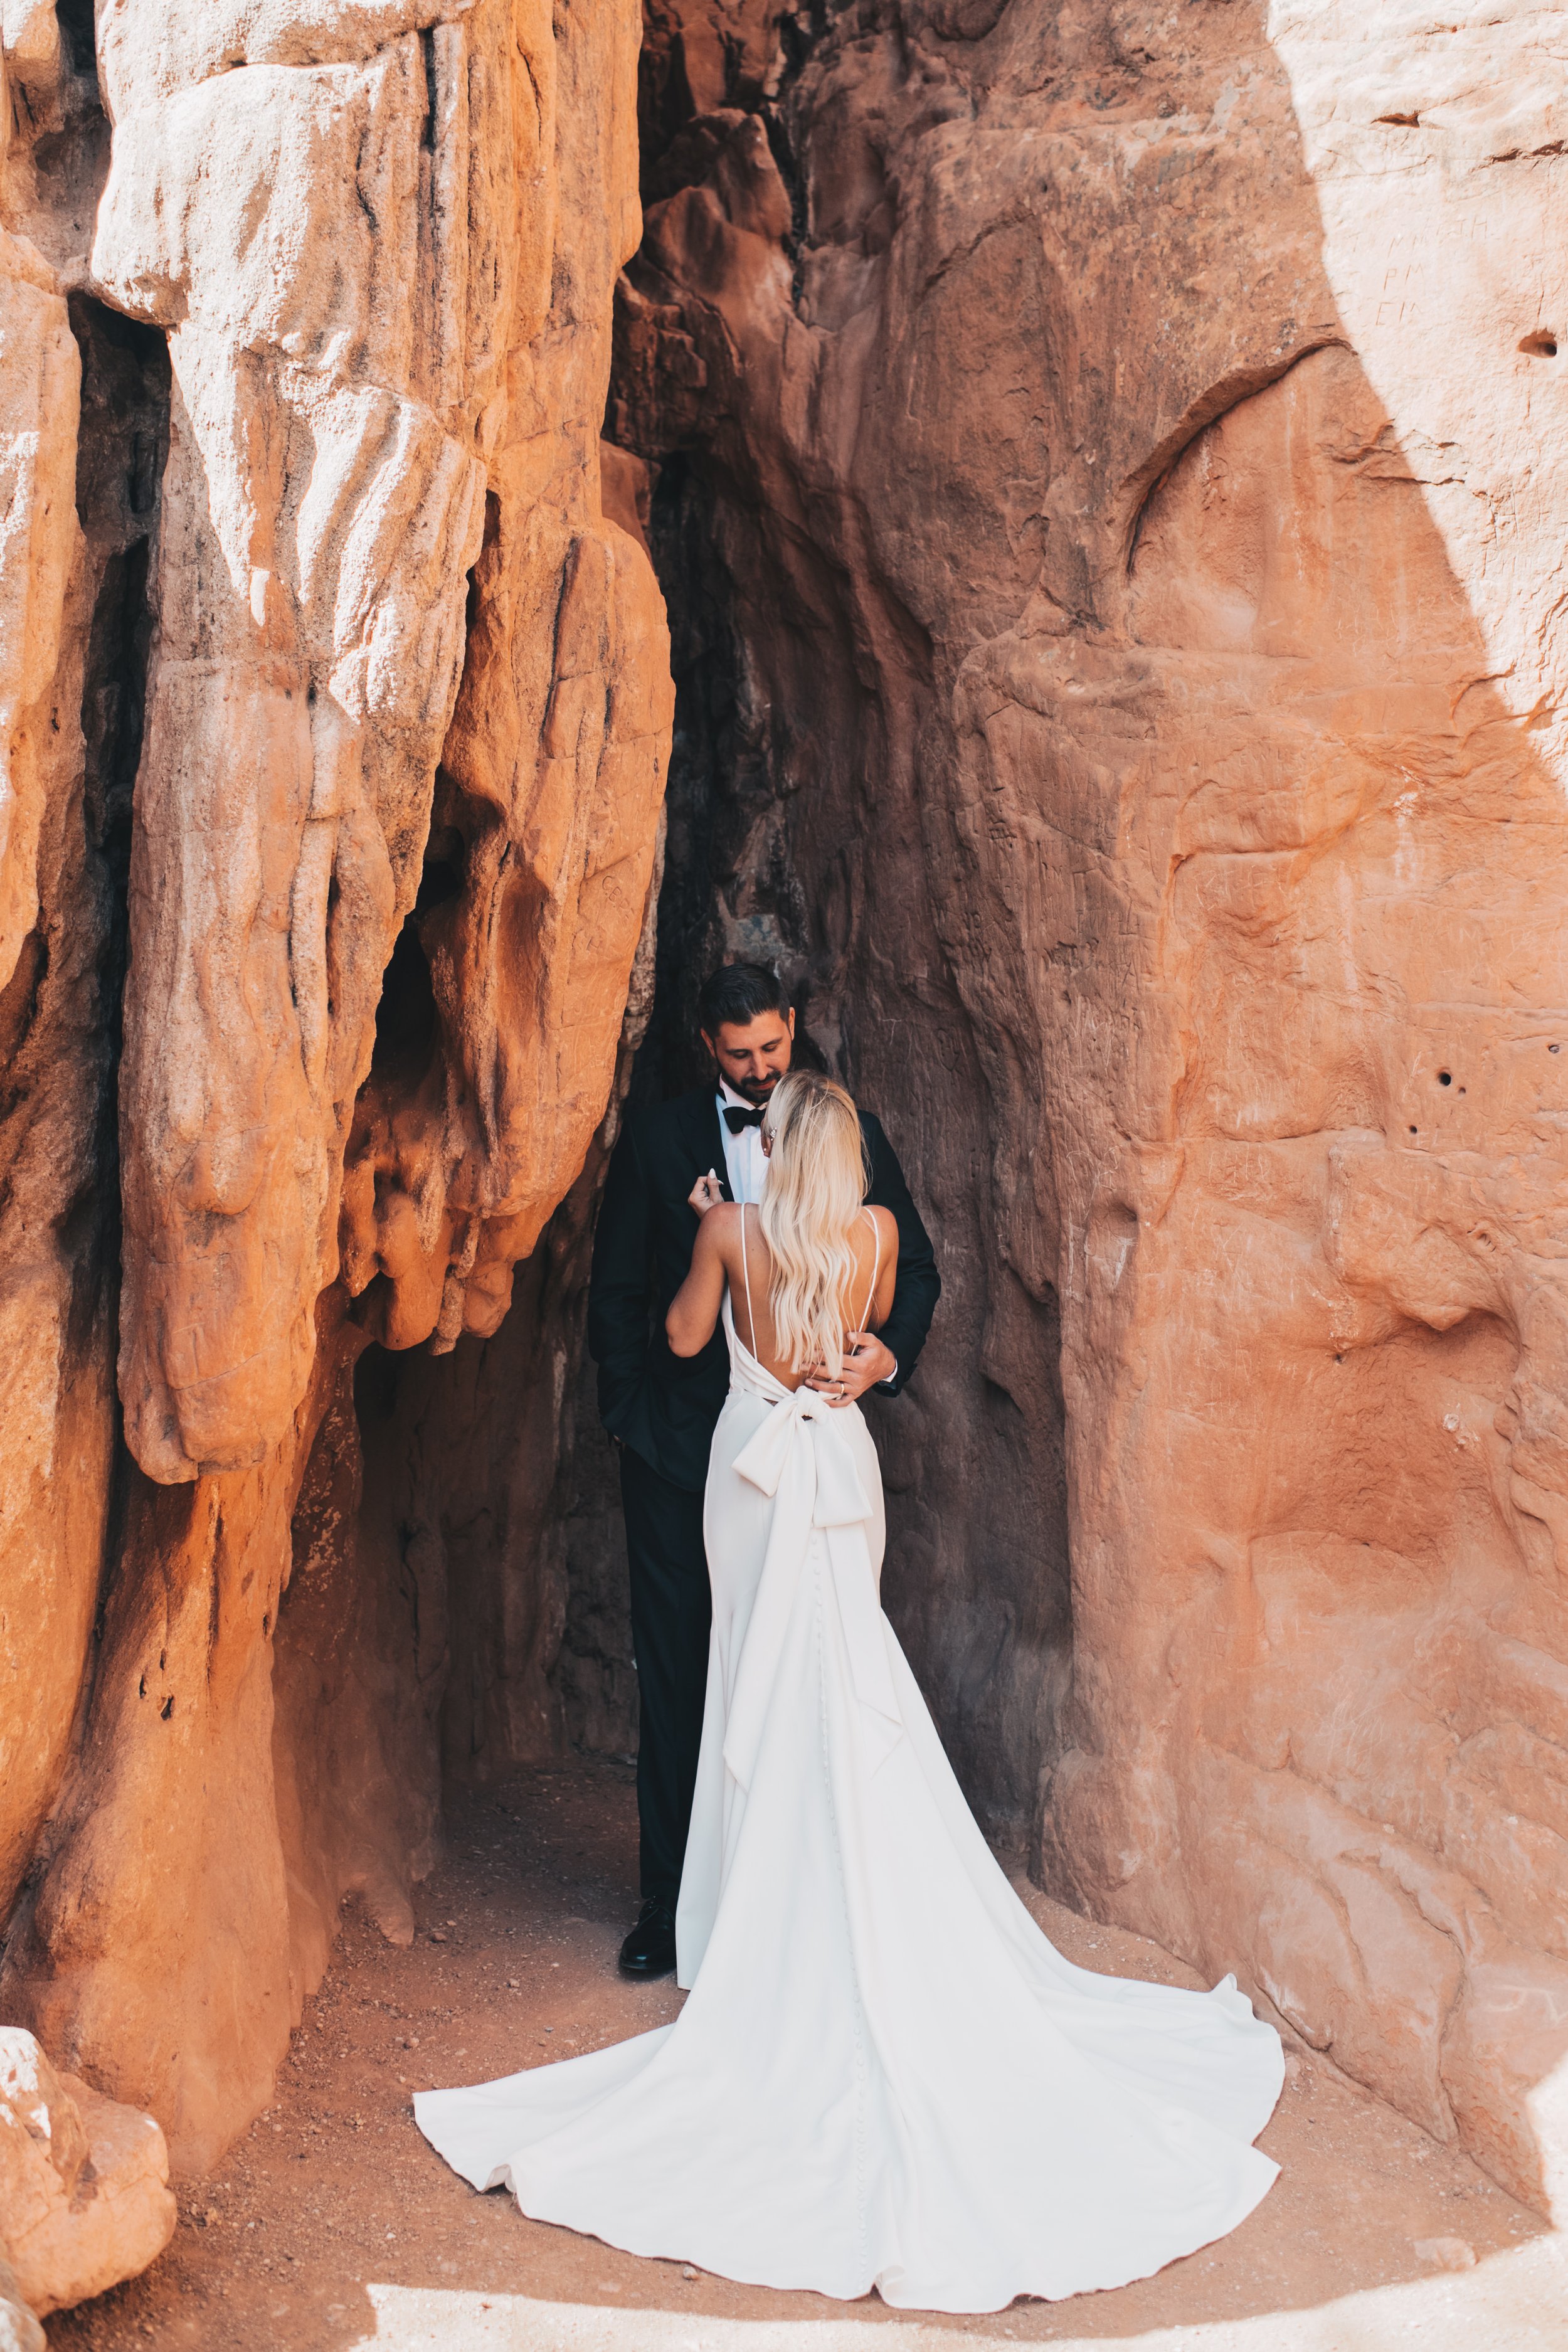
1445 2254
19 2331
84 2189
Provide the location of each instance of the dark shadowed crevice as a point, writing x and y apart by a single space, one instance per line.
705 664
123 445
406 1023
798 36
802 669
120 454
71 158
441 877
75 18
664 104
729 885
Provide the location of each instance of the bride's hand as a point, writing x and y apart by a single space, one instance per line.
866 1361
705 1195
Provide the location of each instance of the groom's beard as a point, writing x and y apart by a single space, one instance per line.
758 1092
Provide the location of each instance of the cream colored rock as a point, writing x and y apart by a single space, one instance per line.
84 2193
321 520
39 376
343 241
30 36
375 591
511 976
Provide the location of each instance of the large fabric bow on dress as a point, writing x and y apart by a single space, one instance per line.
801 1455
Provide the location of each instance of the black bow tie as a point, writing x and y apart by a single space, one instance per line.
736 1119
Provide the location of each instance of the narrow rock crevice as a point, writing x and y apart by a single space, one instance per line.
803 669
121 451
124 441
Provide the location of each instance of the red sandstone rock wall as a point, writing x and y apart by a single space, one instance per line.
1126 444
1105 473
333 719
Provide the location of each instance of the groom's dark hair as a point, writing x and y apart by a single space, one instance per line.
738 992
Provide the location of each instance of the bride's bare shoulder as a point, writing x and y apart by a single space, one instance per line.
720 1228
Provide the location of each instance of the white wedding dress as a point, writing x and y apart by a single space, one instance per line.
884 2075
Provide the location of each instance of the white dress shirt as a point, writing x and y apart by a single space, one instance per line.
745 1162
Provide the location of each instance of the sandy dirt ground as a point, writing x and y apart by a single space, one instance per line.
332 2225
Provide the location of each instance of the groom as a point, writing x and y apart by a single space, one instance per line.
661 1409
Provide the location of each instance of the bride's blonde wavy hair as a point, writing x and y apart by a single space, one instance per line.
817 1180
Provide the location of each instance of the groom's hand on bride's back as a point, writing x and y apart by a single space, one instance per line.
867 1363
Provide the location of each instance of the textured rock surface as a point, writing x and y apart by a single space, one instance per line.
84 2184
1121 447
72 551
335 716
1105 469
348 244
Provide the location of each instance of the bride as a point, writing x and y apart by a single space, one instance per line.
885 2075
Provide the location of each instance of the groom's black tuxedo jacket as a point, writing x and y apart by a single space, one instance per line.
665 1406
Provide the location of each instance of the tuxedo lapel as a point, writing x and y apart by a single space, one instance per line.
721 1165
703 1130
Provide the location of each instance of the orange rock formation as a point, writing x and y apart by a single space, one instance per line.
1103 470
335 717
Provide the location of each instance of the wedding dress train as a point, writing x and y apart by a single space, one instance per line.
884 2073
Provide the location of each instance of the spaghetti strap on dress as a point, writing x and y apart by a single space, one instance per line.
884 2075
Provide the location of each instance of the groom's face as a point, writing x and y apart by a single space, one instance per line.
753 1054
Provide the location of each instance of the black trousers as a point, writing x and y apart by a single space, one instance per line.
672 1610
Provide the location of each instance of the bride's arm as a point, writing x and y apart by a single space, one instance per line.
694 1310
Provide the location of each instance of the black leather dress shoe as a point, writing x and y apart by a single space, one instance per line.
649 1949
